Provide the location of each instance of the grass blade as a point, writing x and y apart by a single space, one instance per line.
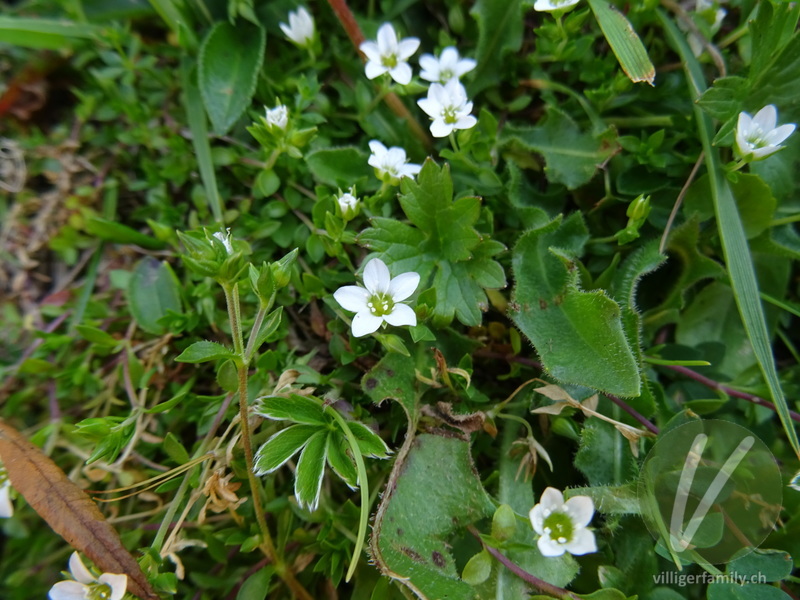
734 241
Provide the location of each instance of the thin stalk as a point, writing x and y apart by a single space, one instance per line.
363 486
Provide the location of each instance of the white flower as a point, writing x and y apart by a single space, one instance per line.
554 5
300 29
278 117
86 586
225 238
390 164
348 204
388 55
449 108
448 66
562 525
758 137
381 300
6 508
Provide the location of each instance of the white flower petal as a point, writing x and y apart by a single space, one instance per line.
6 508
377 148
401 73
365 323
387 39
402 286
766 118
779 134
582 542
376 276
67 590
580 510
467 122
370 49
79 570
548 547
465 65
407 47
117 583
431 107
441 129
409 170
402 314
764 152
537 519
374 69
352 298
551 499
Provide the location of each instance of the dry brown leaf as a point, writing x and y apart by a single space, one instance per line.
68 510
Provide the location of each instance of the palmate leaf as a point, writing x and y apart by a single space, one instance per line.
310 470
441 244
282 446
294 407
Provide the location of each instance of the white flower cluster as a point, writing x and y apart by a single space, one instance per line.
447 103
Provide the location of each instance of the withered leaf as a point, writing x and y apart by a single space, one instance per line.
68 510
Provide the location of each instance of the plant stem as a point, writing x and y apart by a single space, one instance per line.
267 545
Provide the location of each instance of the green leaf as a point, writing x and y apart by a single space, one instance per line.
152 292
341 463
734 243
339 167
47 34
442 245
578 335
256 586
175 449
310 469
571 156
394 378
734 591
610 499
500 29
118 233
269 327
724 99
204 351
229 61
624 42
369 443
478 568
294 407
761 565
282 446
96 336
433 495
604 456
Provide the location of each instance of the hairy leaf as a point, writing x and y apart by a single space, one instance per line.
282 446
432 495
310 470
152 292
293 407
578 335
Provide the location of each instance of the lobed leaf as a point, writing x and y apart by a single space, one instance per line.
310 470
282 446
294 407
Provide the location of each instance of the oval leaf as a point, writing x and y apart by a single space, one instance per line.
230 59
68 510
203 352
152 291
